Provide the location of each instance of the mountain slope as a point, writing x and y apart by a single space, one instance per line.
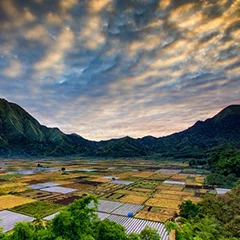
21 134
222 129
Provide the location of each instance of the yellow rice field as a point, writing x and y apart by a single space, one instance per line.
168 196
153 216
167 203
177 193
133 199
10 201
193 199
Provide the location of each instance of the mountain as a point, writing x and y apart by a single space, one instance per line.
23 135
222 129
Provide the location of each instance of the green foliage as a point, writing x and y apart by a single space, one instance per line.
215 217
108 230
173 226
204 229
76 221
225 208
225 165
149 233
133 236
218 179
188 209
23 231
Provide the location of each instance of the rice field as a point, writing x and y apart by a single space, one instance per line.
158 217
134 199
150 190
165 203
10 201
40 208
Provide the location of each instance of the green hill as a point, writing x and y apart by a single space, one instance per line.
21 134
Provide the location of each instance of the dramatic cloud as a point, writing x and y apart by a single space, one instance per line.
110 68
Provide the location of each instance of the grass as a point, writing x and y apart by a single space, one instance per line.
39 208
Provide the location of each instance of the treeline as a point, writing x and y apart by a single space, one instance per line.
215 217
224 164
78 221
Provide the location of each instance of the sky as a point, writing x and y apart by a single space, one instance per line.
113 68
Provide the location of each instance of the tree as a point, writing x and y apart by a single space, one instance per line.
108 230
133 236
76 221
149 233
23 231
188 209
205 229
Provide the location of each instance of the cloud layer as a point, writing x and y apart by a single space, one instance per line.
110 68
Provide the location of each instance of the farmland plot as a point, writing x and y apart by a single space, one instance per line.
146 184
65 200
107 206
137 225
183 193
9 219
174 182
134 199
153 216
127 208
62 190
131 192
10 201
167 196
121 182
41 208
102 216
167 203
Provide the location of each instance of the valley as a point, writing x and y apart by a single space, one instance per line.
126 188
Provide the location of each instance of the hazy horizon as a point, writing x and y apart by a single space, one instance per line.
114 68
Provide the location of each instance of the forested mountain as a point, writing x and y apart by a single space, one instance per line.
22 135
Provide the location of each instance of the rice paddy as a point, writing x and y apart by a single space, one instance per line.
10 201
147 190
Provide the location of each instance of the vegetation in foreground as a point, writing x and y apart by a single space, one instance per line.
215 217
77 221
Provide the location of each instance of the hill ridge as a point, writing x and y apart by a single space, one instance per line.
22 134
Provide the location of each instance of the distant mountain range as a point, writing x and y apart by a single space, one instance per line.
23 135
